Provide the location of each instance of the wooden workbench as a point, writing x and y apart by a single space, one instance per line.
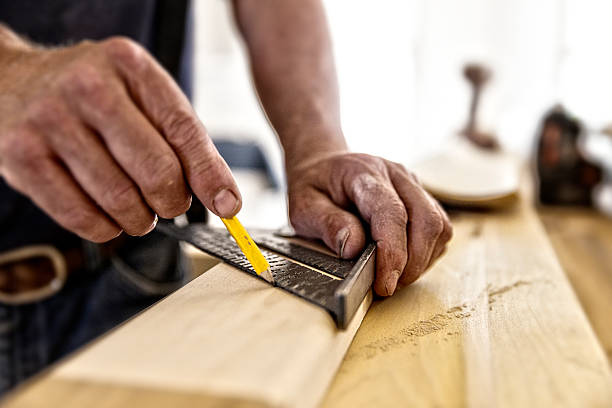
582 239
494 324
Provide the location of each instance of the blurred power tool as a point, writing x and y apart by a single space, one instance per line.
565 176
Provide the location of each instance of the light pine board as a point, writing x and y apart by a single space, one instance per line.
495 324
226 338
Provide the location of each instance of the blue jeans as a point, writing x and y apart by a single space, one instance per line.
35 335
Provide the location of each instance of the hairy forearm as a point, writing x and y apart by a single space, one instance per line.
293 68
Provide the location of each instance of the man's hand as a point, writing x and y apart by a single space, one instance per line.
293 67
101 138
410 228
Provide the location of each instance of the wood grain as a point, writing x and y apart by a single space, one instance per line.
494 324
226 338
582 239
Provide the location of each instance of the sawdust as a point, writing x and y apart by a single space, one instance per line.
431 325
411 333
425 327
403 336
493 294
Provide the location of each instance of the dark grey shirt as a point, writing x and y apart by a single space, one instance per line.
68 21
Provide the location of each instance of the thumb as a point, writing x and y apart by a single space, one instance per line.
314 215
214 184
208 175
166 106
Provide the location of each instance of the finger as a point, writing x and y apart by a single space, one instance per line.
438 252
169 110
52 189
426 224
95 170
314 215
443 239
133 142
380 205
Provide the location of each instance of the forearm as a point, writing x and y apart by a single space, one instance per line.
293 68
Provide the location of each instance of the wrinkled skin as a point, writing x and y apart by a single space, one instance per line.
101 138
411 230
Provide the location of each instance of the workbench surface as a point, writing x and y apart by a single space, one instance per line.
582 239
494 324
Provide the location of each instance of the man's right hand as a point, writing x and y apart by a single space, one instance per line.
100 137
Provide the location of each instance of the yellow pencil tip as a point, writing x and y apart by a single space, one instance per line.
267 275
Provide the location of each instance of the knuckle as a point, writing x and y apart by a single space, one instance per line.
86 83
434 224
46 111
373 164
415 179
207 167
330 220
399 166
392 214
390 206
398 212
35 166
120 197
401 169
23 148
84 79
183 130
89 224
365 184
447 233
79 219
125 51
163 172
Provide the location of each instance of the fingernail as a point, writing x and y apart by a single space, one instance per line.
391 282
152 227
342 237
225 202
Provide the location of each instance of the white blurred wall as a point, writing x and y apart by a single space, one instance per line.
399 65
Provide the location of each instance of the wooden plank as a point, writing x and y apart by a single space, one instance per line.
495 324
582 239
226 338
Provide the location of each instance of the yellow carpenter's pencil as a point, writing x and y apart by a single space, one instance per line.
248 248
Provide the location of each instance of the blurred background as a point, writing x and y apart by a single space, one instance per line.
400 71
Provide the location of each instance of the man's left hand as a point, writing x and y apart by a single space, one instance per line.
328 194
